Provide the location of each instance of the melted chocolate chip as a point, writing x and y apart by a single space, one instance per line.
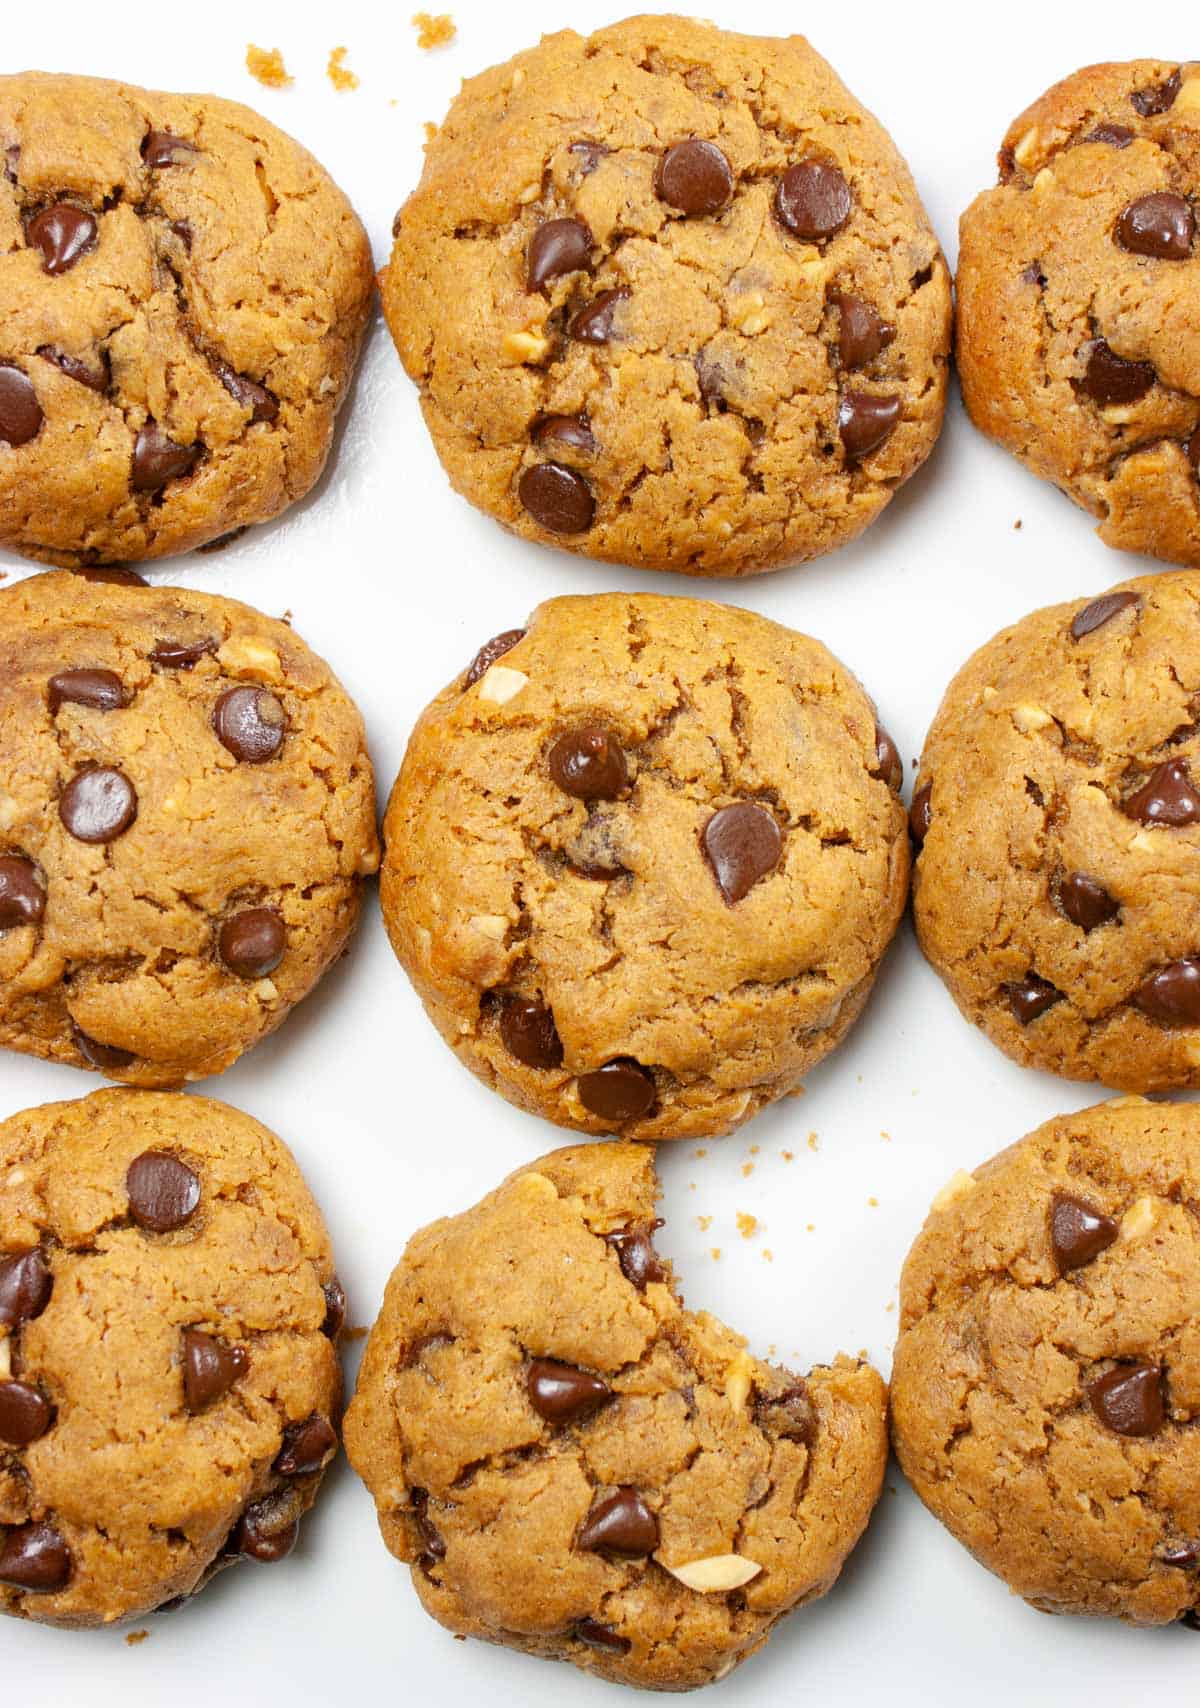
306 1446
63 233
888 764
1032 997
163 1192
865 421
620 1523
431 1538
1109 378
160 148
98 804
1099 612
622 1090
1167 797
557 498
262 404
1156 98
210 1368
268 1529
25 1414
1161 225
743 844
249 723
813 200
111 575
22 898
588 764
789 1416
862 331
34 1557
594 323
94 375
529 1033
562 1393
158 459
105 1058
920 814
1085 901
1172 994
182 655
99 690
571 430
20 412
603 1637
1078 1233
489 652
558 247
1116 136
25 1287
335 1308
695 177
635 1251
251 943
1128 1399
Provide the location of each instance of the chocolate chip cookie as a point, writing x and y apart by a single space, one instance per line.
575 1466
1078 285
1047 1376
184 292
642 861
1058 819
169 1384
186 816
671 299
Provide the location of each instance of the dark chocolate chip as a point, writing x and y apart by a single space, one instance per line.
620 1523
98 804
557 498
588 764
1078 1233
105 1058
695 177
1032 997
25 1414
557 247
251 943
743 844
1172 994
1109 378
160 148
862 331
1116 136
572 430
813 200
25 1287
594 323
1085 901
34 1557
99 690
920 814
210 1368
1156 98
489 652
63 233
603 1637
621 1090
431 1538
163 1192
1182 1555
1192 450
306 1446
635 1251
182 655
1099 612
22 898
1161 225
1167 797
790 1416
562 1393
268 1529
250 724
865 421
20 412
335 1308
888 764
262 404
158 459
111 575
1128 1399
529 1033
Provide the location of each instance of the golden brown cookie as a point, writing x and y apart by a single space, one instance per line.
642 861
169 1384
1047 1376
1079 300
1055 888
575 1466
187 813
184 292
671 299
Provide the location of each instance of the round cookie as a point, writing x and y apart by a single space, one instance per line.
184 294
186 817
1055 890
169 1383
575 1466
671 299
1047 1375
1078 283
642 861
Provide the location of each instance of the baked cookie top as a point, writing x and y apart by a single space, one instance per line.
1079 300
186 813
184 292
576 1466
671 299
1047 1375
642 860
1055 889
169 1382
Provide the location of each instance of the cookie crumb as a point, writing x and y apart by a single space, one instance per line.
768 1255
136 1637
813 1142
886 1136
1017 525
812 1228
704 1223
265 65
715 1254
700 1152
747 1224
434 31
338 72
874 1203
788 1156
747 1170
754 1149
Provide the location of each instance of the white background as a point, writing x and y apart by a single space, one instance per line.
397 582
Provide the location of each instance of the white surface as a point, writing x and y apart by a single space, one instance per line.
397 582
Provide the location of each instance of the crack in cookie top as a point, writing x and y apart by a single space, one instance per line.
698 320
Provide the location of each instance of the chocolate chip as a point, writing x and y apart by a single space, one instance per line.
598 1636
1161 225
572 430
251 943
557 247
182 655
562 1393
111 575
335 1308
862 331
181 228
621 1090
432 1540
635 1251
1033 996
1099 612
742 843
594 323
262 404
695 177
163 1192
34 1557
306 1446
1156 98
589 154
620 1523
1078 1233
1128 1399
529 1033
813 200
160 148
920 814
1085 901
865 421
100 690
250 724
20 412
105 1058
789 1416
22 898
888 764
1182 1555
1192 450
1167 797
1109 378
588 764
158 459
210 1368
1172 994
489 652
557 498
25 1414
1116 136
268 1529
63 233
25 1287
98 804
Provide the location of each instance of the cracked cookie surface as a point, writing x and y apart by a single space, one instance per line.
1055 889
698 320
184 294
186 816
1078 332
575 1466
169 1382
1047 1375
642 861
